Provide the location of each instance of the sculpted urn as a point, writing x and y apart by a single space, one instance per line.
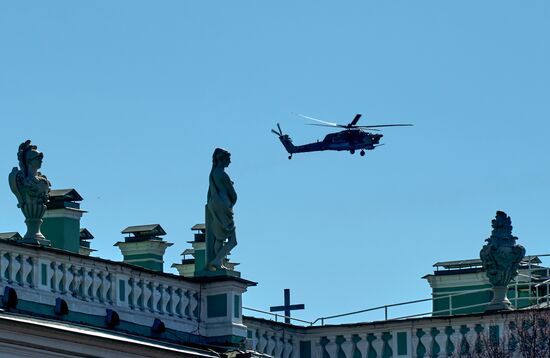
31 189
500 258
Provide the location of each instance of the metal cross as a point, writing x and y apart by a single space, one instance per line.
287 307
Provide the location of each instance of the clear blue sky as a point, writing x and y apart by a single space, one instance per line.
128 99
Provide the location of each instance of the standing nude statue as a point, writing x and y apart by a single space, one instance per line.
219 212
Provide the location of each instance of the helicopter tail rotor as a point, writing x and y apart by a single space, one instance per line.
285 139
279 133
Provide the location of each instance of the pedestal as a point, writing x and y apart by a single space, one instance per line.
500 300
222 307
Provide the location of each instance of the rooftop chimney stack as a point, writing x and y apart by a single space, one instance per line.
62 219
85 236
144 247
190 266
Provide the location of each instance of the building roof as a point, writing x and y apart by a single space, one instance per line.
85 234
145 230
201 227
84 339
10 236
475 263
65 195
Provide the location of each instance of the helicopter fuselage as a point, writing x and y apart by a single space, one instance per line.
348 140
353 137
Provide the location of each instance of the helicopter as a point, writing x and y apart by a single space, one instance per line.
352 138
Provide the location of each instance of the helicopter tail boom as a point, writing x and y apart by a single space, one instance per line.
285 139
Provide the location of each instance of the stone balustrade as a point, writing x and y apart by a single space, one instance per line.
452 336
90 286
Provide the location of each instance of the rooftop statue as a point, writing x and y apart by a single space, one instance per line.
500 258
31 188
219 212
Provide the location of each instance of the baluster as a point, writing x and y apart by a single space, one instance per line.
86 283
50 273
101 287
107 288
131 293
146 295
57 275
419 343
362 345
194 302
317 348
15 267
165 299
67 278
270 344
451 341
174 301
279 345
348 346
178 302
466 341
140 291
377 345
252 342
332 347
184 302
478 345
262 342
4 266
155 300
96 285
135 292
27 279
387 350
77 282
438 341
287 351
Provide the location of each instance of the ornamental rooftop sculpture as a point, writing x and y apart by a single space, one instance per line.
219 212
31 188
500 258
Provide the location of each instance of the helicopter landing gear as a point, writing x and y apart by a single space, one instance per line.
352 151
290 157
362 152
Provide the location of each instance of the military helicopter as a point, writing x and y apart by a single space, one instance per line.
352 138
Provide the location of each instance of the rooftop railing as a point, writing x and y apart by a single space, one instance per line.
532 280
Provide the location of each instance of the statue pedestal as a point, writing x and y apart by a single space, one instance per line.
35 241
500 301
33 235
221 306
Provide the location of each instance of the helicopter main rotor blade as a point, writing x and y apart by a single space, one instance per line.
325 125
355 120
275 132
385 125
369 129
280 130
328 124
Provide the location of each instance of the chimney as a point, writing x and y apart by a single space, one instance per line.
188 267
144 247
85 236
62 219
194 266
